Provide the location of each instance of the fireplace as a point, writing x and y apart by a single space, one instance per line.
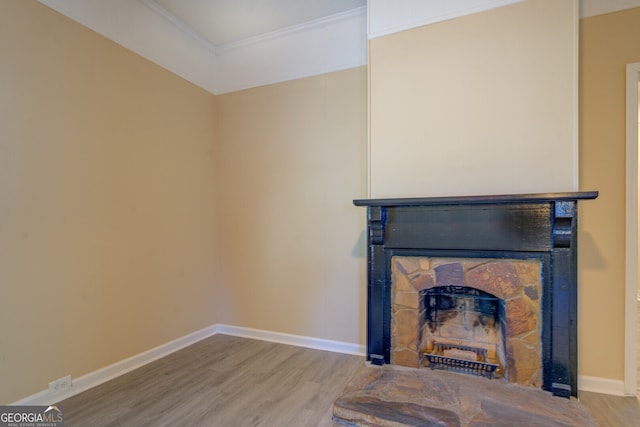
484 285
479 316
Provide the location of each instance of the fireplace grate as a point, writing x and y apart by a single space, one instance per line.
479 367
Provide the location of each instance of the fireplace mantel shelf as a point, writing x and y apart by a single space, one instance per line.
476 200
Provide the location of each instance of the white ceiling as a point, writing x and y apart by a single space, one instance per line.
228 45
222 22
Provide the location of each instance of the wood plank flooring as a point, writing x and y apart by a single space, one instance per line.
221 381
228 381
612 411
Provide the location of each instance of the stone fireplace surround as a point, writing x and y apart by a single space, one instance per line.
523 229
516 282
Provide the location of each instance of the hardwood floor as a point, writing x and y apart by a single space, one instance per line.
221 381
612 411
237 382
615 411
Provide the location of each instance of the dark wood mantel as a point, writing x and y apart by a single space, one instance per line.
525 226
476 200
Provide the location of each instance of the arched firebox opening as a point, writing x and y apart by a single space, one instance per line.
464 331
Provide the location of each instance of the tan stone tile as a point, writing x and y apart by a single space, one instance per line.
407 327
497 278
532 338
400 282
527 364
406 265
425 263
407 299
423 280
528 271
468 264
406 357
521 317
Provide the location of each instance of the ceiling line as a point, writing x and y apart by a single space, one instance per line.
282 32
179 24
297 28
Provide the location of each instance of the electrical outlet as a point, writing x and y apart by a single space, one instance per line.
60 384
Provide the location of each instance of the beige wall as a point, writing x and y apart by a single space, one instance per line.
109 168
292 159
483 104
608 43
106 208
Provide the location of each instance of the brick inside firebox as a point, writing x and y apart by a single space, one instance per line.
516 282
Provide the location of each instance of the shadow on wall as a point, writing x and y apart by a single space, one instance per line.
591 256
360 248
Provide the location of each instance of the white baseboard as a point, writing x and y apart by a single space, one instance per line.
95 378
601 385
297 340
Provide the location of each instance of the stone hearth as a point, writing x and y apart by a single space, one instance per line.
394 396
